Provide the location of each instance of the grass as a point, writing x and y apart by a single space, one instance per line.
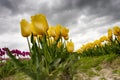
17 76
92 66
86 67
117 72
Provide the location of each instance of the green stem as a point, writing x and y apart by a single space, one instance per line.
37 67
38 40
28 44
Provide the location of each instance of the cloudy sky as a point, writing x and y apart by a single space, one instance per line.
86 19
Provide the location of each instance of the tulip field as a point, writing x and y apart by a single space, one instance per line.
51 53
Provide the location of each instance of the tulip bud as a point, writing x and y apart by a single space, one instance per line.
70 46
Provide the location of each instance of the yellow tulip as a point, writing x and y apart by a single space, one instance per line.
39 36
90 45
25 28
66 38
110 34
97 42
58 30
35 38
40 23
33 30
51 31
70 46
103 38
118 37
79 50
50 41
64 33
54 31
116 31
59 44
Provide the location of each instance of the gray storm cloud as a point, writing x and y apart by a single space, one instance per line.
82 17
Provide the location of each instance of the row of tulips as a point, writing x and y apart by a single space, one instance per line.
51 51
17 53
112 39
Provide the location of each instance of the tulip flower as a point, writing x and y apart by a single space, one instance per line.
97 42
54 32
58 31
25 28
33 29
118 37
66 38
40 23
103 38
89 45
70 46
51 31
64 33
79 50
116 31
110 34
2 52
59 44
50 41
25 53
16 52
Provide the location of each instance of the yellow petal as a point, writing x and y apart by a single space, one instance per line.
103 38
25 28
59 44
110 34
66 38
58 30
33 29
64 32
70 46
116 31
51 31
40 23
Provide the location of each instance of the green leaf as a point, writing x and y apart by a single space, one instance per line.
20 65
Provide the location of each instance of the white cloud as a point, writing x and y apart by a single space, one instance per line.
13 41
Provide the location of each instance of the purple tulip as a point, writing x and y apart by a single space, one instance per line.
2 52
13 51
4 49
16 52
27 53
23 53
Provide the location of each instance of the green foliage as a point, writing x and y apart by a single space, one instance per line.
47 60
117 72
90 67
7 69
